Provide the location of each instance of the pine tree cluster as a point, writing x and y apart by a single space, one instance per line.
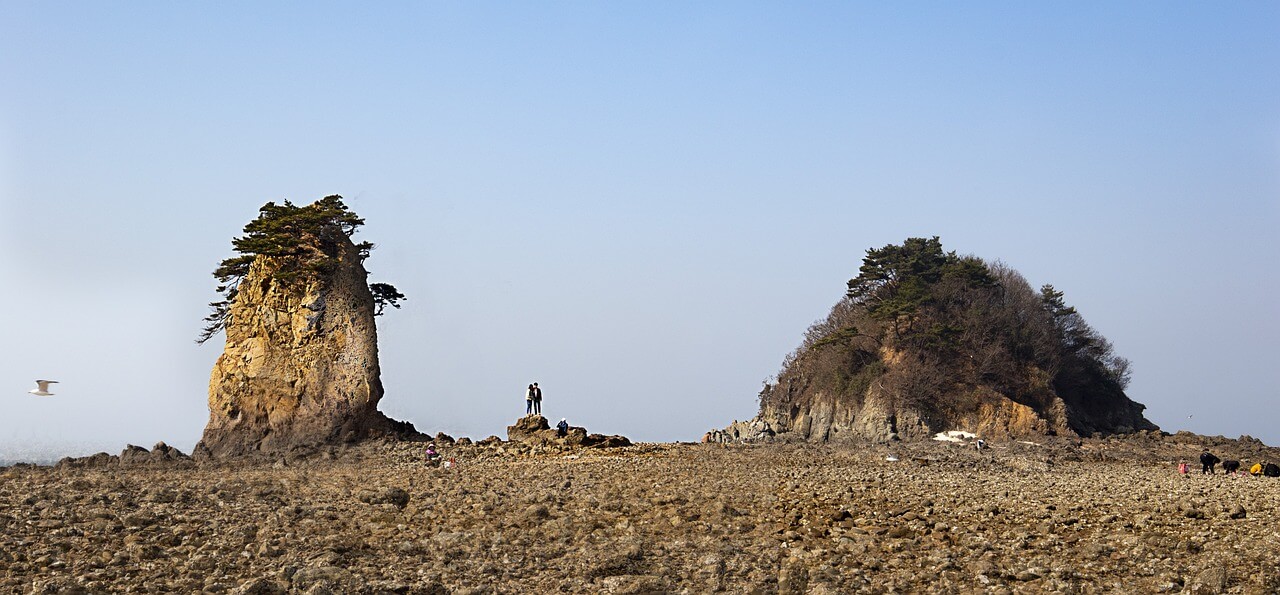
303 242
930 326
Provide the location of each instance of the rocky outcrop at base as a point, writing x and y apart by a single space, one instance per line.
161 453
754 430
534 430
878 418
527 427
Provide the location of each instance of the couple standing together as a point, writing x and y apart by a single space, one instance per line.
533 400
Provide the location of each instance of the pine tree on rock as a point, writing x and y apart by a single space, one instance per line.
300 365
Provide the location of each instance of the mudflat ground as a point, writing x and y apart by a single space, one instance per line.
1068 516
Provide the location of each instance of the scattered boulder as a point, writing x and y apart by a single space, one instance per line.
526 428
261 586
755 430
1210 581
97 460
160 453
602 441
395 496
533 430
164 452
131 455
576 436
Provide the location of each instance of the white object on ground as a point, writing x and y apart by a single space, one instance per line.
954 436
891 459
42 388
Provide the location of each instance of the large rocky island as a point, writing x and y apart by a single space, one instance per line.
926 341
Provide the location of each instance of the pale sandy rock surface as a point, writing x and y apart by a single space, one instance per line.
1061 517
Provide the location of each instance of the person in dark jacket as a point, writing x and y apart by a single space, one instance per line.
1230 467
1207 461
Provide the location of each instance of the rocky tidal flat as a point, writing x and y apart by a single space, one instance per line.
1064 516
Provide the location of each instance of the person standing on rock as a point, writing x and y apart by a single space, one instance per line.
537 399
1207 461
528 400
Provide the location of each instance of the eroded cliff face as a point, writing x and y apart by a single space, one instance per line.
300 365
880 418
815 412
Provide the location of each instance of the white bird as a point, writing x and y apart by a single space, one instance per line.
42 388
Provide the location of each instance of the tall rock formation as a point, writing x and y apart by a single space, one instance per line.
300 365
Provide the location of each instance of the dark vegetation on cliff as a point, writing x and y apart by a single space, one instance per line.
937 334
304 243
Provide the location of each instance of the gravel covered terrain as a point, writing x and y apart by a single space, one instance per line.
1065 516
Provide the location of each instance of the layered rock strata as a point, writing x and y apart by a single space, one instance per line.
814 412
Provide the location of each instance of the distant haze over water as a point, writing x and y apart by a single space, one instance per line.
48 454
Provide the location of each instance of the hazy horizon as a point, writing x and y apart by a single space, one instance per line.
642 207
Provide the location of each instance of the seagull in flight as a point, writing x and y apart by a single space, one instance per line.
42 388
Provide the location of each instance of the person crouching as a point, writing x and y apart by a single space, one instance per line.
1207 461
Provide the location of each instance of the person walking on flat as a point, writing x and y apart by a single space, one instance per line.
537 399
528 400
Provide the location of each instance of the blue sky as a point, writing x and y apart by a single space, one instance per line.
641 206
